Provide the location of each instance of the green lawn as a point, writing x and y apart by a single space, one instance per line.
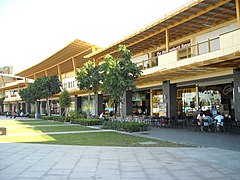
17 133
29 123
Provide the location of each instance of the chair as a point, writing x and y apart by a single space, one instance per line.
235 127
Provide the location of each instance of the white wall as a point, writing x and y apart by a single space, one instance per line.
140 58
215 45
68 83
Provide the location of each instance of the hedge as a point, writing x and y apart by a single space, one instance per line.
125 126
54 118
87 122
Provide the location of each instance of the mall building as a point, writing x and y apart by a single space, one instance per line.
190 60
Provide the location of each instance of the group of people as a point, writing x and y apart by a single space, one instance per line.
12 114
208 122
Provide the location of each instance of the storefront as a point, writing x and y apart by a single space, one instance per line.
157 100
213 98
141 102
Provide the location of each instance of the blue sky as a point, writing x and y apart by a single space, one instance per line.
32 30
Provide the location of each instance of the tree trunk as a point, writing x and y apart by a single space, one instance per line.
88 105
66 113
48 108
96 104
36 109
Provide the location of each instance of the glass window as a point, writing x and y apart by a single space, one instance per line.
157 98
186 101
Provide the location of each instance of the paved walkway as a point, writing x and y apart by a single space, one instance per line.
203 139
39 161
217 158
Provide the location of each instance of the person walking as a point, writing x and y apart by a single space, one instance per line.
200 118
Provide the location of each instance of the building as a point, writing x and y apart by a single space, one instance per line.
190 60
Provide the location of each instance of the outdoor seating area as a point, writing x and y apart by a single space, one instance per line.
190 123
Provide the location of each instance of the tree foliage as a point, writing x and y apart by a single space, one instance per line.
65 101
30 94
119 74
47 86
42 88
89 77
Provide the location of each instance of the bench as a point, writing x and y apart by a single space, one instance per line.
3 130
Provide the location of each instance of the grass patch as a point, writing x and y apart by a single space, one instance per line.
30 124
35 129
92 139
20 128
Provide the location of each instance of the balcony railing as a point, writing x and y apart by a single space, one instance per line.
199 48
227 40
148 63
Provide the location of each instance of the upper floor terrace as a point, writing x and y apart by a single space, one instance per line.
214 54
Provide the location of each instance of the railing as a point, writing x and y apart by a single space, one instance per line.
148 63
199 48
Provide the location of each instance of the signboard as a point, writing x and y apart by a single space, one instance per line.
6 70
162 109
138 97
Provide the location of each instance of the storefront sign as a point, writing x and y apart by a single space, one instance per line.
5 70
227 89
174 48
162 109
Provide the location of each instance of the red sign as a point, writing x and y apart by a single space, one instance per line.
5 70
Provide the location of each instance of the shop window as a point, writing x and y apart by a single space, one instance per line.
157 98
186 99
141 103
208 99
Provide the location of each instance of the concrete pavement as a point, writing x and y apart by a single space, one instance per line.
217 158
204 139
39 161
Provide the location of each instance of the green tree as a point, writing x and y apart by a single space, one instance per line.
1 102
46 87
65 101
120 74
30 95
88 78
42 88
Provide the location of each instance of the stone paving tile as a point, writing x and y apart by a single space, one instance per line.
59 172
54 177
71 162
31 174
84 175
134 174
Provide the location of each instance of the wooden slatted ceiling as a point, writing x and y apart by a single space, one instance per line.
189 20
76 48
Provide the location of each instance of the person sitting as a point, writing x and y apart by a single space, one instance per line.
208 122
219 121
14 114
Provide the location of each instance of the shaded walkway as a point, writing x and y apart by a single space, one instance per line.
204 139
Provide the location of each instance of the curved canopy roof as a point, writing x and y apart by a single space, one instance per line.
188 20
77 49
9 81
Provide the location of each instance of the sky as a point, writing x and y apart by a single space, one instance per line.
33 30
